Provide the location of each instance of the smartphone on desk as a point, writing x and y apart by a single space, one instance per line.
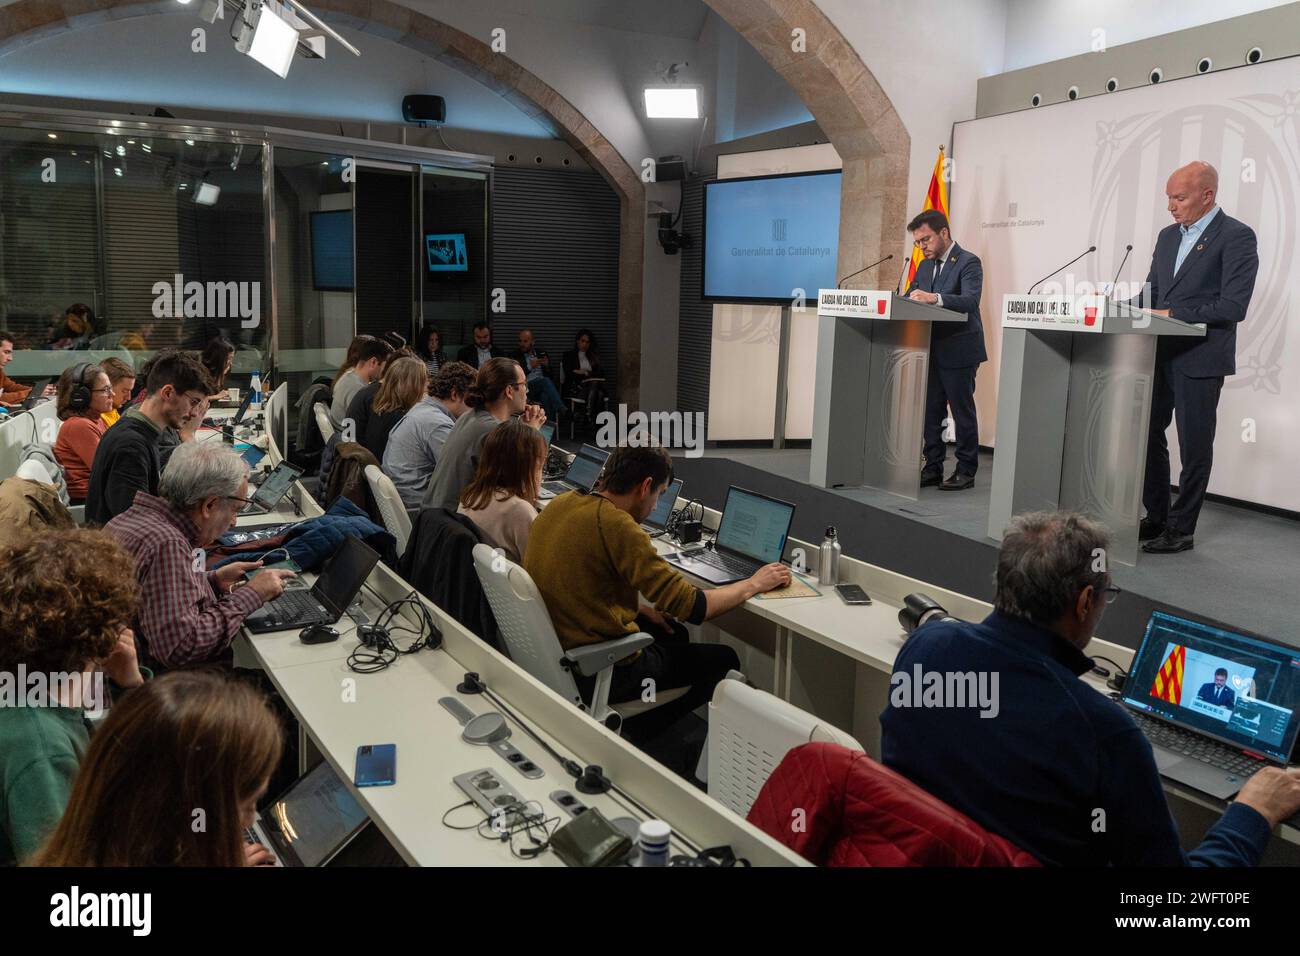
376 765
852 594
290 584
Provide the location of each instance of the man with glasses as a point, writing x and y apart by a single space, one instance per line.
127 459
189 614
499 393
1050 763
951 278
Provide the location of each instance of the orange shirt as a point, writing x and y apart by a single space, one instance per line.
75 450
11 393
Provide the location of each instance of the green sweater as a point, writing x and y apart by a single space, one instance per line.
590 559
40 750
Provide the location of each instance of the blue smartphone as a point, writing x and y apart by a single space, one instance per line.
376 765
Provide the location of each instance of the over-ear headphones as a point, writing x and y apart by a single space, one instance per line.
79 397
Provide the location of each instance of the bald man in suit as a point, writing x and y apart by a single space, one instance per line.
1203 270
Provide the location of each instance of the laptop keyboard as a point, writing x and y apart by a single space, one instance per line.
555 487
725 562
1189 744
294 605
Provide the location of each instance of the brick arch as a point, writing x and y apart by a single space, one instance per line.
30 20
855 113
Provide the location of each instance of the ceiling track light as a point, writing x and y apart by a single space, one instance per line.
272 32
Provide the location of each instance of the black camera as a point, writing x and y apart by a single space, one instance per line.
919 609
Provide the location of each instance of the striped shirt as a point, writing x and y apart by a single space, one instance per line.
181 619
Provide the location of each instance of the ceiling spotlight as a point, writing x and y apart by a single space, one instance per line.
121 150
267 37
53 136
130 142
189 142
117 170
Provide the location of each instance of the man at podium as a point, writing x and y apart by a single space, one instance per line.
1203 270
951 278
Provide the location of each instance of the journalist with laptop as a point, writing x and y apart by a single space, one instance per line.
1053 765
751 533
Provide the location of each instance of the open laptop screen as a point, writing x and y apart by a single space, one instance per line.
754 525
342 578
315 817
279 481
1239 688
585 467
667 502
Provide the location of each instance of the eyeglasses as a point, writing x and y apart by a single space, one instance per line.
1111 592
245 501
107 390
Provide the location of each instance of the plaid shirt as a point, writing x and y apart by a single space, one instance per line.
181 618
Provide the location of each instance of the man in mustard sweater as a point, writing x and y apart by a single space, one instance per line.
590 559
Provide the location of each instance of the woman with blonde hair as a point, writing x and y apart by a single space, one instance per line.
379 406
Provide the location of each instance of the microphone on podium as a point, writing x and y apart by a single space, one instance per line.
1127 250
860 271
1066 266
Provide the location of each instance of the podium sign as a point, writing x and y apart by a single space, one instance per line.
855 303
1071 313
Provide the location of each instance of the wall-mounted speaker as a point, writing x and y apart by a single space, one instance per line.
670 169
424 108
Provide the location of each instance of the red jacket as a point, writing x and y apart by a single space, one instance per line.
857 812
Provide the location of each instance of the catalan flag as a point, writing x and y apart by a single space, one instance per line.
1168 684
936 197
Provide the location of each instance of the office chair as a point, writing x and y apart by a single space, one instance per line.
750 732
391 507
323 421
530 638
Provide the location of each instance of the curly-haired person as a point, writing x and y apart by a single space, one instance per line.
65 611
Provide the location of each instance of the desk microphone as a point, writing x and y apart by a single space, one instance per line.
840 284
1127 250
1066 266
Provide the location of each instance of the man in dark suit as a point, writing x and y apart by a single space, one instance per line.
482 349
1203 270
951 278
1216 693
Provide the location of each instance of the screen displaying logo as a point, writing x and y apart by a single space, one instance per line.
778 230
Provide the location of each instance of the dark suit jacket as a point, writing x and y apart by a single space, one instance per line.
1206 693
572 381
954 345
469 354
1213 286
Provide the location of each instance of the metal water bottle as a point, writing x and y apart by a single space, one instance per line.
828 565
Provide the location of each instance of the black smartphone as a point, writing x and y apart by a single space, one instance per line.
852 594
376 765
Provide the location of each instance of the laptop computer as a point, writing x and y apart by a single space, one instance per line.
37 394
312 821
548 432
656 523
1216 705
339 583
274 487
583 471
752 533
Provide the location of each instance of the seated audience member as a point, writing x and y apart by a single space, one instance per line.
415 443
192 739
502 498
128 457
12 394
429 348
65 609
75 329
590 559
481 350
122 377
189 615
370 362
1055 751
217 357
581 368
536 364
84 394
499 392
380 405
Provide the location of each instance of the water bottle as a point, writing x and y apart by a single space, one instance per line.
652 839
828 565
255 386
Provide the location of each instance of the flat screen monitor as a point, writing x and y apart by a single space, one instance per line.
766 237
446 252
331 251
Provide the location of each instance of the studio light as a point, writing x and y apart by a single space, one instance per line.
207 194
672 102
267 38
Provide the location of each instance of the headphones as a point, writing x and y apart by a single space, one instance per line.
79 397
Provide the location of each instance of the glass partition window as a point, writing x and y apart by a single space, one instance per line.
451 251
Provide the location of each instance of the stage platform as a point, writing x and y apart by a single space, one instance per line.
1244 571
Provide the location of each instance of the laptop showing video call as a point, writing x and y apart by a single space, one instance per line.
583 471
751 533
1216 704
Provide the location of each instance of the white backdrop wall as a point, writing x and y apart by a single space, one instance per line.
1034 188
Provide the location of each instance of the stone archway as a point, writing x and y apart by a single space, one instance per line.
851 108
30 20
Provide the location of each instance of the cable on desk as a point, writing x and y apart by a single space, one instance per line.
528 822
378 651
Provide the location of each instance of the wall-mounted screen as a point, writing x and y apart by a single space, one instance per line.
765 237
331 251
446 252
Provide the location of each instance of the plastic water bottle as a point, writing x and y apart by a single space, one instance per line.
652 839
255 386
828 565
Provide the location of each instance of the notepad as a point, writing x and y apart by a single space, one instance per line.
797 588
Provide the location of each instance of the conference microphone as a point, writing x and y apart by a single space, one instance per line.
1127 250
860 271
1066 266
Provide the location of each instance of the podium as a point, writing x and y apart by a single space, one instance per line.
873 355
1074 405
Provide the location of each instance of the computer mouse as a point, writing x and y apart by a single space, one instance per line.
318 634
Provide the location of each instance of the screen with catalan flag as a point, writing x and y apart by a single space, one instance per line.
1234 686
